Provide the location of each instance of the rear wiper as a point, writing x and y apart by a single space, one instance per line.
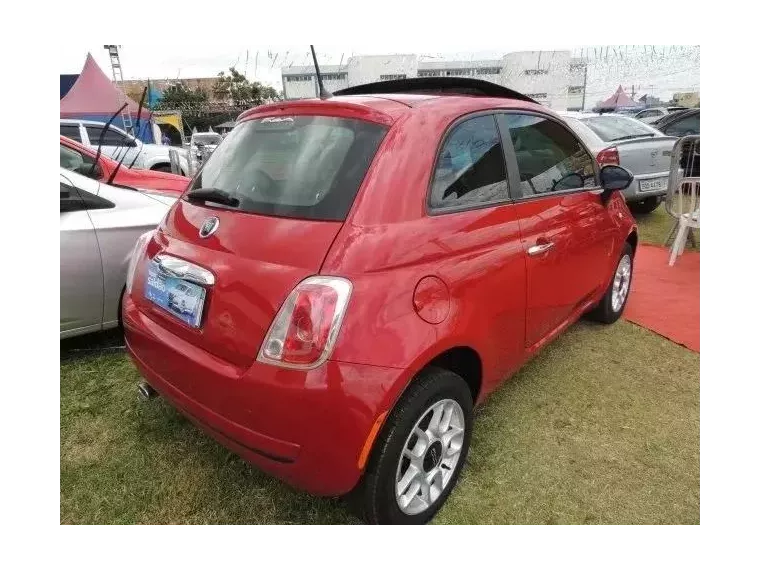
626 137
212 195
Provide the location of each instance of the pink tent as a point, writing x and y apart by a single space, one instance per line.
95 97
619 99
94 94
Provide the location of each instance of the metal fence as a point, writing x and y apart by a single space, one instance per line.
682 198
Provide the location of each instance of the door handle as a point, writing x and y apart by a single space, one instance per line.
540 248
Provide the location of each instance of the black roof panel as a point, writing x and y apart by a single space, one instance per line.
436 86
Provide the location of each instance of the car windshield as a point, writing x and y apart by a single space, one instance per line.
610 128
298 167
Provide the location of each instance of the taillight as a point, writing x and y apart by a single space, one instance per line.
608 156
305 329
137 254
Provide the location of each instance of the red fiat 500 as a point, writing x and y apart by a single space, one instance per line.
345 278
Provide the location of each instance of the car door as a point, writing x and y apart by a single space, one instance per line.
475 224
81 267
566 231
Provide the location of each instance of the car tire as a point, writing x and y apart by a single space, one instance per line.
645 206
611 306
434 391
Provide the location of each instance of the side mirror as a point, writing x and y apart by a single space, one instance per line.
613 178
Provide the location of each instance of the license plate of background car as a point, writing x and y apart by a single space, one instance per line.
653 184
182 299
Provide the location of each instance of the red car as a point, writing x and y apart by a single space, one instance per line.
346 277
79 158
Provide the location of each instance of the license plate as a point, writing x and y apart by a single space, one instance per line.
181 298
653 184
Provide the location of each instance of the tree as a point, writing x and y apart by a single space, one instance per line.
179 96
235 89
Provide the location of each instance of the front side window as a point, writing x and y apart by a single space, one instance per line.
549 157
470 168
296 167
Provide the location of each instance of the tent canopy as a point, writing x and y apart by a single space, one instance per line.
94 97
93 93
618 100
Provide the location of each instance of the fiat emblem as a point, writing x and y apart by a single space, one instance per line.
209 226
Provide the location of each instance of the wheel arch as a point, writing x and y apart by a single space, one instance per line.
460 359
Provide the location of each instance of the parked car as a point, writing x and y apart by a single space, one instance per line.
375 265
80 159
201 146
640 148
99 227
117 143
680 123
652 114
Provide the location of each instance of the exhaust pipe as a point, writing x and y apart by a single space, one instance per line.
145 391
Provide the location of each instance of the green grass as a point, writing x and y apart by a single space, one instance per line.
655 227
602 427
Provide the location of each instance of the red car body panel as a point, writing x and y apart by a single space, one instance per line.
309 427
160 182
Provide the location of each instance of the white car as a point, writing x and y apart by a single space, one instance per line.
100 225
183 298
117 144
627 142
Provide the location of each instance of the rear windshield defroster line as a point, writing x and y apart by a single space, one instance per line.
307 167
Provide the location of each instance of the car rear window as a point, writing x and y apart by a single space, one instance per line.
618 128
297 167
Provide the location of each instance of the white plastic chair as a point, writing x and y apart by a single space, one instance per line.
688 219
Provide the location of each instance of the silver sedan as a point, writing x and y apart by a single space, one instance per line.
645 151
99 227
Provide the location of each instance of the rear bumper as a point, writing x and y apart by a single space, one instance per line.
634 193
307 428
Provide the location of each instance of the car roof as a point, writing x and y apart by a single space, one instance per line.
587 115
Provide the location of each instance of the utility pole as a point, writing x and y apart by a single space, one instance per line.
585 76
633 91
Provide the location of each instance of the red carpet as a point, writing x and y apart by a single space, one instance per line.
666 299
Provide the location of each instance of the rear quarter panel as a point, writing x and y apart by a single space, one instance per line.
389 243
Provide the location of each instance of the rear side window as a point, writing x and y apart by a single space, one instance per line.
111 138
74 160
618 128
296 167
72 132
549 157
687 126
470 168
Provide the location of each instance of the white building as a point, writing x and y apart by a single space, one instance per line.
552 78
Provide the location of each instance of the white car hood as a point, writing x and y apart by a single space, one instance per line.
163 198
